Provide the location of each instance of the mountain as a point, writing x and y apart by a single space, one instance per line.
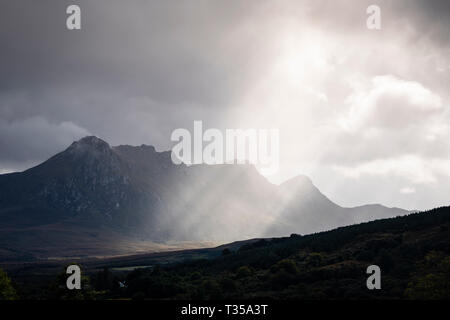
94 199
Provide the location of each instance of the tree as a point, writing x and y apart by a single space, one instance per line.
432 280
7 291
104 280
226 252
57 290
243 272
287 265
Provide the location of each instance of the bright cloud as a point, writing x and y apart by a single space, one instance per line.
407 190
409 167
390 103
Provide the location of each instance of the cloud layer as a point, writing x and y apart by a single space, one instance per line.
364 113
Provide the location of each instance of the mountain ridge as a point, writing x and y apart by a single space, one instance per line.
135 192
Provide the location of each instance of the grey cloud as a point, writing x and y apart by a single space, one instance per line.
33 139
139 69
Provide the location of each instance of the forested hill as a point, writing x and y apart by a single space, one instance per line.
412 251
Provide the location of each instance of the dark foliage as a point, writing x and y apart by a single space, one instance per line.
412 251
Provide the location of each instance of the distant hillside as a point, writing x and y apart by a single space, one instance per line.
413 253
95 200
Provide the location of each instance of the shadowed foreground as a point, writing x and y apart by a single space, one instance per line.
413 253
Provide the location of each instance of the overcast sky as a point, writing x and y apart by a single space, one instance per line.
364 113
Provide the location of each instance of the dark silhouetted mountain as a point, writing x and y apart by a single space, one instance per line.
93 199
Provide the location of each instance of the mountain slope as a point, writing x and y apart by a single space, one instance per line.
93 194
413 253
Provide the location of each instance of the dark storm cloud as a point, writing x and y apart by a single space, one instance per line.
430 19
138 69
177 55
184 51
171 52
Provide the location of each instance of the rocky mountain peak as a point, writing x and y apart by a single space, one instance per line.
91 145
300 181
90 142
